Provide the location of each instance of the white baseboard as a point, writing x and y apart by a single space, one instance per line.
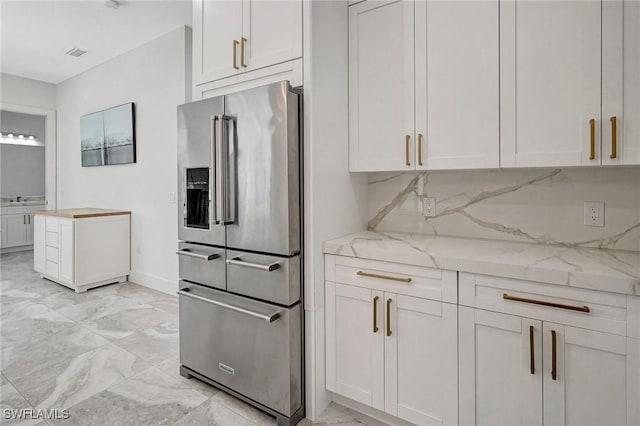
154 283
369 411
16 249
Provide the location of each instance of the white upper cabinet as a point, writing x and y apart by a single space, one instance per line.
621 82
233 37
271 32
381 85
457 85
550 83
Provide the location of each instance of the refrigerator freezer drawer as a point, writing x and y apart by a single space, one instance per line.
202 264
251 347
271 278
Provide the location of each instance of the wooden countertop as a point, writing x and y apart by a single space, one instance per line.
81 213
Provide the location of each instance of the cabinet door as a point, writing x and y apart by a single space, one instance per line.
272 32
66 232
500 369
29 228
550 83
355 343
14 230
421 354
457 85
621 82
39 244
381 86
585 377
216 24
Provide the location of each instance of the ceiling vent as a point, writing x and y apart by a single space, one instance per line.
76 52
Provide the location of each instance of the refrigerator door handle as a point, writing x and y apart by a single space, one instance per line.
221 148
213 178
268 318
268 268
189 253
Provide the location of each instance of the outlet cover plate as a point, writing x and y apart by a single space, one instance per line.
429 206
594 213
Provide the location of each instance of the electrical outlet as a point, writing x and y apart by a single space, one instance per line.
594 213
172 198
429 206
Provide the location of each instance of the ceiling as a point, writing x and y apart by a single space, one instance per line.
36 34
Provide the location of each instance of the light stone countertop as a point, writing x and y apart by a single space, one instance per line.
598 269
81 213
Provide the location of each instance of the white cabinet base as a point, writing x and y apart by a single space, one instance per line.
83 253
83 288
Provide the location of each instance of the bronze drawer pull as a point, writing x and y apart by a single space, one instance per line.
554 367
505 296
532 356
383 277
389 317
375 314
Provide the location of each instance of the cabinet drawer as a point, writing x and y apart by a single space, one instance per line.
594 310
52 269
427 283
52 239
52 224
52 254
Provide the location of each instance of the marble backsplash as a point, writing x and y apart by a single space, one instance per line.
534 205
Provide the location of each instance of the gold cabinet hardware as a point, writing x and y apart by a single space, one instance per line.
375 314
420 149
24 219
592 140
407 138
235 55
532 359
389 317
28 219
614 137
554 367
383 277
505 296
243 41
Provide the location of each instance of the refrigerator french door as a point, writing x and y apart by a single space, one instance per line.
239 226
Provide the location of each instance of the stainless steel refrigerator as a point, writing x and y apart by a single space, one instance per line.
239 226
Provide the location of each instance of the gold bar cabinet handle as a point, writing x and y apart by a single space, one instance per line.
420 149
554 367
235 55
505 296
242 43
614 136
592 140
24 219
407 139
532 358
383 277
375 314
389 317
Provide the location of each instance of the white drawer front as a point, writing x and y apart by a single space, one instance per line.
52 254
53 269
594 310
52 224
52 239
633 316
427 283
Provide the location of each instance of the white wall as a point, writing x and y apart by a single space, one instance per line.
27 92
335 200
153 77
21 170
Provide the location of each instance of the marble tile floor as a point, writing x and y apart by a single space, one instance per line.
109 356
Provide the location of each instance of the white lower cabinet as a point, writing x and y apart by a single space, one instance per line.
393 352
82 253
500 369
585 377
527 367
